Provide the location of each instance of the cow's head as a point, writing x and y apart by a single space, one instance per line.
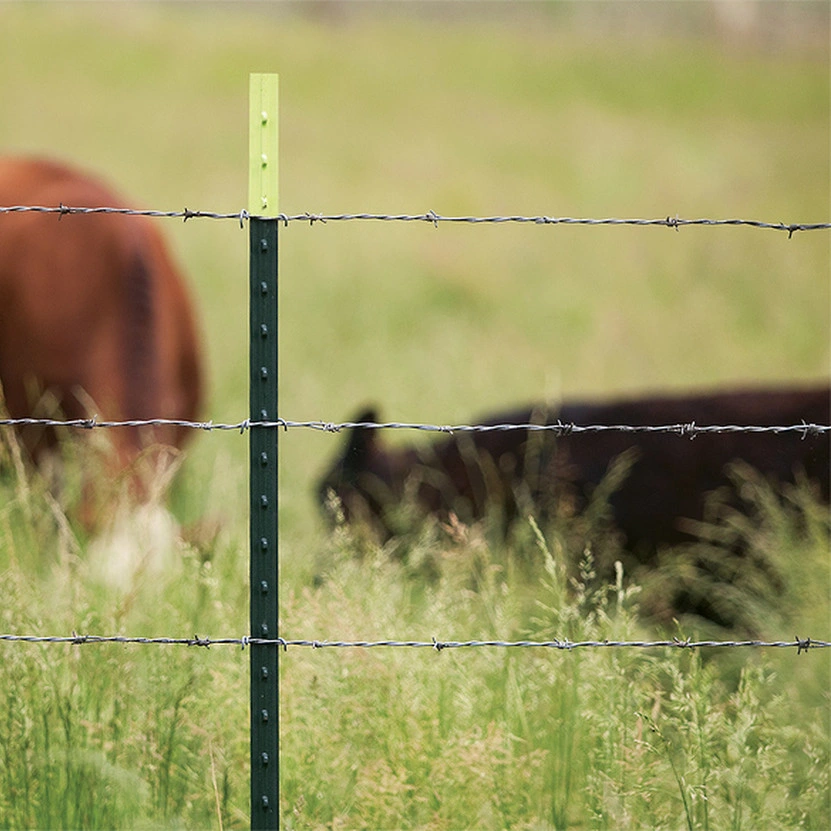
366 480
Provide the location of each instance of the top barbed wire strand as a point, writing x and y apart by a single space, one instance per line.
432 217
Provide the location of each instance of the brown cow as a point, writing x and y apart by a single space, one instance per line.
514 472
95 318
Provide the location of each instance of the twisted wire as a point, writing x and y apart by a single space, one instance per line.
800 644
431 217
560 428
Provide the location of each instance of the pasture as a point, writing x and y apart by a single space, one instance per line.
541 110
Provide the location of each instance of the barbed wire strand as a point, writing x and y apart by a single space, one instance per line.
560 428
431 217
800 644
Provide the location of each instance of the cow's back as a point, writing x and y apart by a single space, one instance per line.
671 477
93 312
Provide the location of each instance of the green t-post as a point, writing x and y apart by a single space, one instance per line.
262 201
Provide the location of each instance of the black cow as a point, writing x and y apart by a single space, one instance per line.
517 472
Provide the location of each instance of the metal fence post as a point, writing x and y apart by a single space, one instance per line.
263 472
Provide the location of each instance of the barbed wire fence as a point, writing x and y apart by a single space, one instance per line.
559 428
430 216
689 430
801 644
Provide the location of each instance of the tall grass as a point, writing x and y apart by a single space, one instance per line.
121 737
535 738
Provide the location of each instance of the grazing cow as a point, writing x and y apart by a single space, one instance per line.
95 318
667 485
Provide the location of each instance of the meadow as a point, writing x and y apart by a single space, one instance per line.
546 110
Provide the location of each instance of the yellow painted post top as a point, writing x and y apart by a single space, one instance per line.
263 145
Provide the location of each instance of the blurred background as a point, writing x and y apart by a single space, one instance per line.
707 109
623 109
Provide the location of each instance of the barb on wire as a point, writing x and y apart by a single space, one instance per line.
561 428
185 214
800 644
431 217
558 428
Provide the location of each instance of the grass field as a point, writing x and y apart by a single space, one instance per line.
543 109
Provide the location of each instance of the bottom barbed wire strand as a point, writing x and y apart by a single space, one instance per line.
801 644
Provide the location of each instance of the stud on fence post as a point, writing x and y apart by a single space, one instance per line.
262 199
